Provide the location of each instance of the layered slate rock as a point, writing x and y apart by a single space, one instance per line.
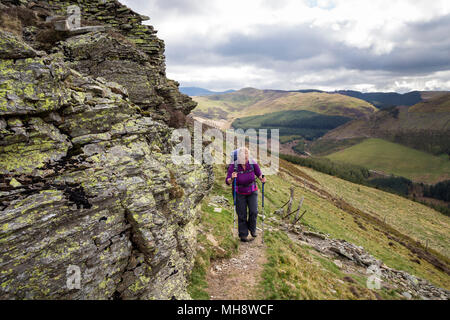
118 59
86 176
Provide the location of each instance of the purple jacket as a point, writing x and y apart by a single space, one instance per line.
244 179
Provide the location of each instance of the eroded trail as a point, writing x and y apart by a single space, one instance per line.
237 278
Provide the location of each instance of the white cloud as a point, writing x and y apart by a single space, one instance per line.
373 28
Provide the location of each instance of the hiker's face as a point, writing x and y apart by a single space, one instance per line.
243 157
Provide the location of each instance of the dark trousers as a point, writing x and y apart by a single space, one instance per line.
247 220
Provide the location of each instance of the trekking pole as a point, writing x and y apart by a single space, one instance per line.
263 211
234 198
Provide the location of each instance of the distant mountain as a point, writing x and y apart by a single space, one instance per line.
196 91
384 100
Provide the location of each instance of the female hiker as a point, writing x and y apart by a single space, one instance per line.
245 171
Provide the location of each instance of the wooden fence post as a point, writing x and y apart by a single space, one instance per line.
291 199
298 210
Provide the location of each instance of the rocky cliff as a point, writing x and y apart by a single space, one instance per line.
86 177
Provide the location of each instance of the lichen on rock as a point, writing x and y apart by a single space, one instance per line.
86 176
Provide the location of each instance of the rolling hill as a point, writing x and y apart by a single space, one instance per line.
424 126
439 103
251 102
380 100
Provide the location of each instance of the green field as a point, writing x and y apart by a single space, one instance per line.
392 158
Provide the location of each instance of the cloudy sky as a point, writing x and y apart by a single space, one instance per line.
366 45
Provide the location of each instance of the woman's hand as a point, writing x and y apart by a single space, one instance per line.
263 179
233 176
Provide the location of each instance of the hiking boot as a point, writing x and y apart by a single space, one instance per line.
246 239
254 235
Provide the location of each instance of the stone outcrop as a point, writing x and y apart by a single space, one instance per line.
86 176
102 55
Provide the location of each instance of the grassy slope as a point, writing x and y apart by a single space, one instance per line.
393 158
250 102
414 219
297 272
439 103
324 216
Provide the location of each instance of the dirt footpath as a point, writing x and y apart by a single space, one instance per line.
237 278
